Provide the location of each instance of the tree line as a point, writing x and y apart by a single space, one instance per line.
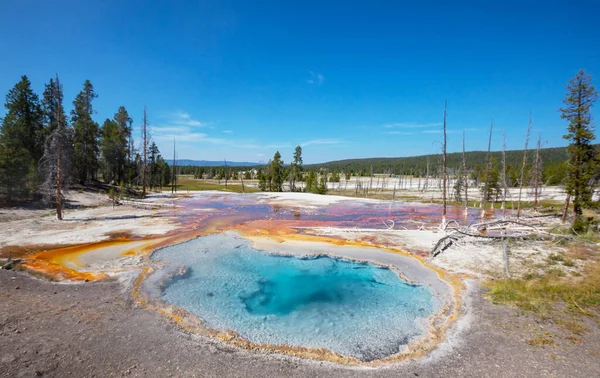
43 150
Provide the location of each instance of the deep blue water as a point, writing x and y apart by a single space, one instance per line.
356 309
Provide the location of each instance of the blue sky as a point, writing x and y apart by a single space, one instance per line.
241 79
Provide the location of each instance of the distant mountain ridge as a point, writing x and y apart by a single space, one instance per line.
212 163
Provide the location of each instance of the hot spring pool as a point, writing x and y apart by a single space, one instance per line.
352 308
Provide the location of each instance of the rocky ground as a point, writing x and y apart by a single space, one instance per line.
95 330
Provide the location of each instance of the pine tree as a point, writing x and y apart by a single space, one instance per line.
296 168
110 151
277 173
322 187
86 132
491 189
154 168
311 182
262 182
579 100
56 164
124 125
21 141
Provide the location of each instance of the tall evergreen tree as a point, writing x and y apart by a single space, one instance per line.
277 173
296 168
85 136
56 164
124 125
110 151
21 141
579 100
154 166
52 106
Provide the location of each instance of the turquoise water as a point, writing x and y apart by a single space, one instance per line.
356 309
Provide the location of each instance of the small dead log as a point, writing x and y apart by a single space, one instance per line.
11 263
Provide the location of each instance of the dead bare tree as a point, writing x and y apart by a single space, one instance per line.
538 167
444 171
465 177
145 136
487 172
565 210
226 173
371 183
174 180
504 184
56 163
523 166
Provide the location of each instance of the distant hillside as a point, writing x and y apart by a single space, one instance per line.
397 165
553 164
211 163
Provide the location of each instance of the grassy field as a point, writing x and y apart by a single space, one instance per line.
555 296
185 183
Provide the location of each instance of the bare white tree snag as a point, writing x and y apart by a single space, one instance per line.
56 163
174 178
487 172
504 184
566 208
538 175
144 152
371 183
226 173
523 166
538 167
466 178
444 172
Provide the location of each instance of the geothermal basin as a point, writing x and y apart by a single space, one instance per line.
360 303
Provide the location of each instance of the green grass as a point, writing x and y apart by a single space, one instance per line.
552 293
185 183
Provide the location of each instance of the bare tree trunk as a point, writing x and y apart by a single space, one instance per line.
444 172
227 173
504 185
523 167
174 178
566 208
59 184
426 185
466 178
371 183
145 152
537 174
487 172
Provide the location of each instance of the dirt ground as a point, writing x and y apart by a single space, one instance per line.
95 330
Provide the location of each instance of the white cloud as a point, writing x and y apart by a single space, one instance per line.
411 125
315 78
227 132
320 141
396 132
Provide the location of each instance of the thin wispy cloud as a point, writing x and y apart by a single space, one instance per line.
181 126
227 132
185 119
396 132
315 78
411 125
320 141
